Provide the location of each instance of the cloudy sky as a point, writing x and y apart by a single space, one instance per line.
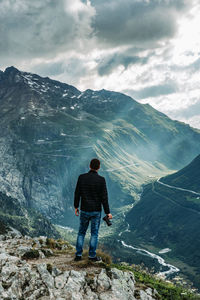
148 49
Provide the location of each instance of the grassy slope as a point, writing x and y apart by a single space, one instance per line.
166 218
187 178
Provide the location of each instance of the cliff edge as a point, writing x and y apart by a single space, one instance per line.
43 268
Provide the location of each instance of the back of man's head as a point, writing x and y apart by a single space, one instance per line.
95 164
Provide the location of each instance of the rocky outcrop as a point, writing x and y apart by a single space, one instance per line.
21 278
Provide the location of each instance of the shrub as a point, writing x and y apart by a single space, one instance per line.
33 253
51 243
106 258
49 268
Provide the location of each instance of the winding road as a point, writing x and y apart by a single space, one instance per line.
177 188
174 201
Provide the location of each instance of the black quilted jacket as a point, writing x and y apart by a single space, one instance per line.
91 190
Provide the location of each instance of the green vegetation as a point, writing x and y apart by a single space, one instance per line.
49 268
166 290
3 227
33 253
169 218
187 178
58 244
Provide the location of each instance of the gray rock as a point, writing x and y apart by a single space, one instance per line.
2 237
149 291
89 295
16 289
75 282
116 274
39 293
1 288
8 295
103 281
4 257
146 296
9 269
61 280
42 255
56 272
21 280
27 237
122 284
46 277
21 250
43 239
15 233
36 242
116 296
2 248
47 252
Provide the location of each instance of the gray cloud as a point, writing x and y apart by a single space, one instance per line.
48 69
70 71
192 68
191 111
136 22
195 66
37 28
64 39
111 62
153 91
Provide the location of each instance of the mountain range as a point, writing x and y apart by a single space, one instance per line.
51 130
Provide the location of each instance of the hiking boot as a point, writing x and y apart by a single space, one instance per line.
95 259
77 258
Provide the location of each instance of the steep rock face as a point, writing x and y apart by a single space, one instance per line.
26 220
50 131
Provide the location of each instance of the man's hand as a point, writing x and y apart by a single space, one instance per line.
77 212
109 216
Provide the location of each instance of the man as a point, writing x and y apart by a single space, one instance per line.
91 189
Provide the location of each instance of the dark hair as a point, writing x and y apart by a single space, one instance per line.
95 164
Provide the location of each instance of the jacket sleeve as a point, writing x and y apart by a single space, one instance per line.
77 194
105 198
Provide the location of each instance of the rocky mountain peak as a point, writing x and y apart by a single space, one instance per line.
11 69
1 74
11 75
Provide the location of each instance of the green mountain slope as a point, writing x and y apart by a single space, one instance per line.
167 217
187 178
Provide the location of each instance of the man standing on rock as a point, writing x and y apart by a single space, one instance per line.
91 190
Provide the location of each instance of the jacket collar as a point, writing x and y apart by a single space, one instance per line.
93 171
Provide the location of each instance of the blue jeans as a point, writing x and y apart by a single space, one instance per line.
85 218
